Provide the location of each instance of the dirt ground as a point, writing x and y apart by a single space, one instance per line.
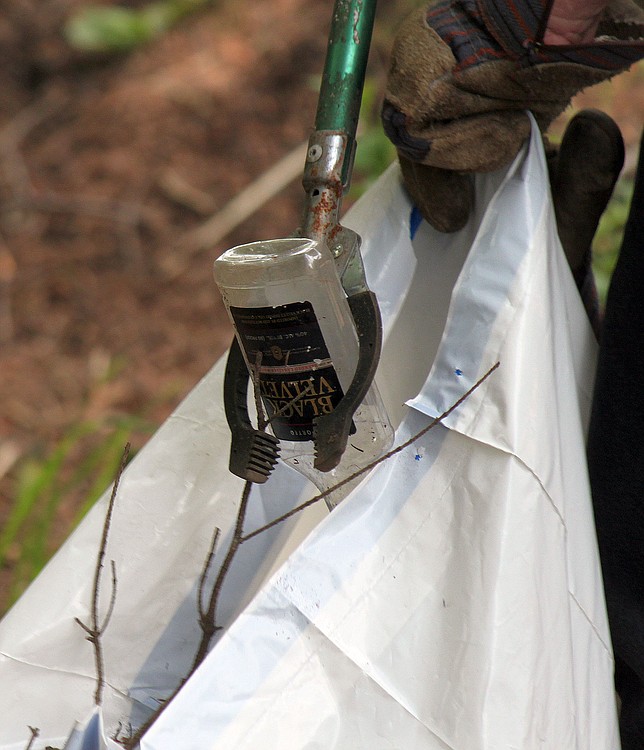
106 164
91 225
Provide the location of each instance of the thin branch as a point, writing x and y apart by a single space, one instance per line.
35 732
8 271
204 573
110 607
179 190
307 391
16 130
9 455
129 216
208 624
259 406
28 118
247 202
119 736
235 212
106 530
262 420
373 464
86 628
95 631
207 617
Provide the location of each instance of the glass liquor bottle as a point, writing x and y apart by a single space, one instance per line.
296 331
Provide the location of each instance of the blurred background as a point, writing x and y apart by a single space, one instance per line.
126 130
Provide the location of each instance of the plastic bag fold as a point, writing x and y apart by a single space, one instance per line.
453 600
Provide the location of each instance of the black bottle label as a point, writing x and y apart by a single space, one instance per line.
291 364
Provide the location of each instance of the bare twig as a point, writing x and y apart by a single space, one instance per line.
234 213
179 190
25 199
95 630
13 169
30 117
207 616
208 624
262 421
110 607
9 455
370 466
248 201
306 391
17 129
204 574
119 736
8 269
35 732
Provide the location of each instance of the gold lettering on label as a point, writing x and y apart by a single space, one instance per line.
268 388
285 392
325 404
325 386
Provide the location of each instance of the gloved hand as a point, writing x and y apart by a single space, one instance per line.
583 173
462 76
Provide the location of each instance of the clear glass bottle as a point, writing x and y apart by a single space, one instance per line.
295 328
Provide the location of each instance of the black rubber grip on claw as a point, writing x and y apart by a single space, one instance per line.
253 453
332 430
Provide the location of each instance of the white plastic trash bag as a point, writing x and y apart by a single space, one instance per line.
453 600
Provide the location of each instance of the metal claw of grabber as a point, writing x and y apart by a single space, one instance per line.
327 173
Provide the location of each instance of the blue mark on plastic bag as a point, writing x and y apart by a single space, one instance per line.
415 220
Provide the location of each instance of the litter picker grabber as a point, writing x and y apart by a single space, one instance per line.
313 346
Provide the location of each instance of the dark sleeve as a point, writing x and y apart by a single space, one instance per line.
616 466
478 31
519 26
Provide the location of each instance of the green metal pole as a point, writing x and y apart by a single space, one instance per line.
329 161
345 66
327 173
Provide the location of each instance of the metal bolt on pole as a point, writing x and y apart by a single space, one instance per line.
332 145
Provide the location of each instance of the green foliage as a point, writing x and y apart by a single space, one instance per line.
374 154
111 28
609 235
42 485
375 151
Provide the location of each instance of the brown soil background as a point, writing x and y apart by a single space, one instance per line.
103 311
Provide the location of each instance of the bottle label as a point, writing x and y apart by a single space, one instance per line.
291 364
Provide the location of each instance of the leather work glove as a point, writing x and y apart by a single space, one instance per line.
464 72
583 173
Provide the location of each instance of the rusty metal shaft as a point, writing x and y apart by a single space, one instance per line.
329 160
